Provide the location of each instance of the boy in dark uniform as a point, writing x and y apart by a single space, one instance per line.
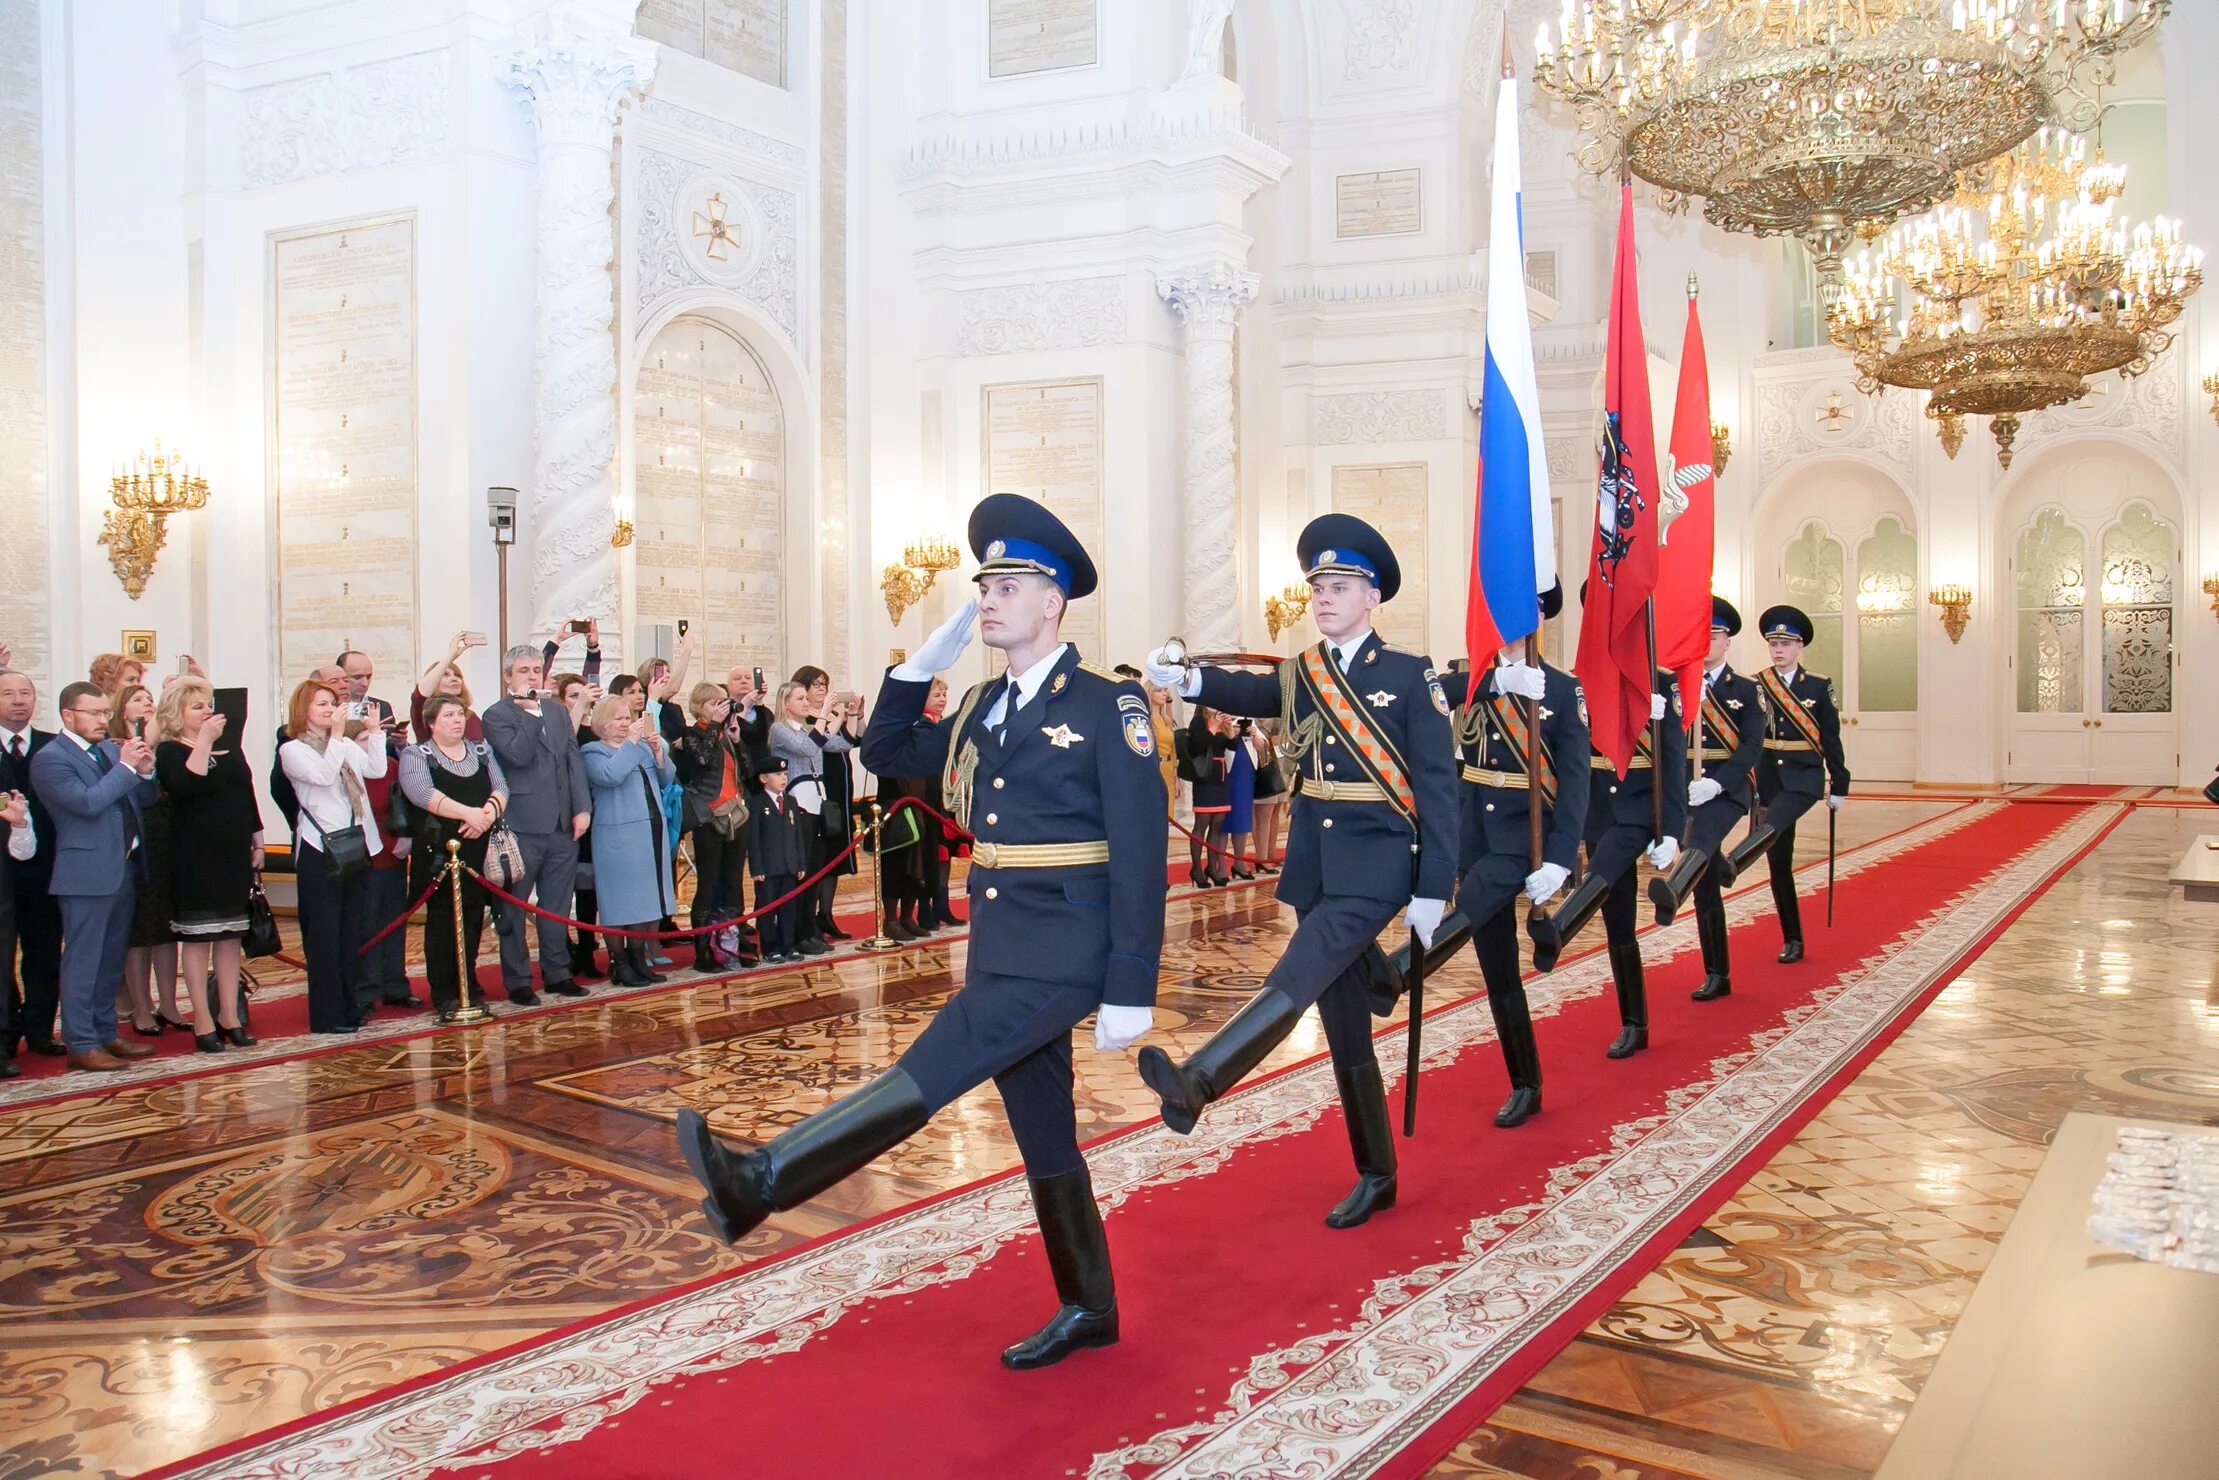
777 857
1052 766
1732 731
1491 734
1802 757
1373 835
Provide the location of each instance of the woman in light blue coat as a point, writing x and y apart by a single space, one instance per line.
631 852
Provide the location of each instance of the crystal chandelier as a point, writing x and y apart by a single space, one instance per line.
1826 119
2020 288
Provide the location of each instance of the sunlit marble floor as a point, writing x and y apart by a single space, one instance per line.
1789 1335
184 1264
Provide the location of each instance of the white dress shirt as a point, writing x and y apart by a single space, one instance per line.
1346 649
1026 685
323 796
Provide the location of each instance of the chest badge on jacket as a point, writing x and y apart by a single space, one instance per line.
1379 700
1062 737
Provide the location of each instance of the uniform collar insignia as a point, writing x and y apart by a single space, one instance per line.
1057 686
1379 700
1062 737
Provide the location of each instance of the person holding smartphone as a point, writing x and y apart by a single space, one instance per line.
217 825
147 995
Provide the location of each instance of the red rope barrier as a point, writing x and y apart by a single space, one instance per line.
405 915
1210 847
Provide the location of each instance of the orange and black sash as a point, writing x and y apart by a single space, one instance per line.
1719 720
1784 702
1511 721
1374 752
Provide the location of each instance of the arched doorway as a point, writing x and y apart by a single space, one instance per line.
709 453
1840 543
2093 564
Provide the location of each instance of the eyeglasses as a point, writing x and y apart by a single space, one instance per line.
92 713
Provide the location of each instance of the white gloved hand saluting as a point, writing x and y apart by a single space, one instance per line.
1165 674
1656 707
1834 801
1120 1027
1543 882
937 653
1424 917
1663 852
1702 789
1521 680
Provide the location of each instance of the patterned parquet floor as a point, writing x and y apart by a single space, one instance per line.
185 1263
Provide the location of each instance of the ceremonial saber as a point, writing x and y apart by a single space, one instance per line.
1417 1021
1831 814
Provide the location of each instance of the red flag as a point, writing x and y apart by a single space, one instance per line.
1687 525
1614 641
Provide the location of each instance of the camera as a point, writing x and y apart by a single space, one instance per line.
500 512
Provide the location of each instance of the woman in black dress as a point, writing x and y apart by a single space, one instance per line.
216 852
1205 761
148 992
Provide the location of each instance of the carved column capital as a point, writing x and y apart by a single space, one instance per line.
1207 297
577 73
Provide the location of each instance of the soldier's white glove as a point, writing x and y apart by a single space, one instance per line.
1424 917
1521 680
1702 789
1165 674
1833 802
1543 882
1663 852
1120 1027
1656 707
937 653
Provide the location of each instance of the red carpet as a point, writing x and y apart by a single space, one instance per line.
1256 1340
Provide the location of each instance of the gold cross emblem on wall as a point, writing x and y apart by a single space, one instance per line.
713 226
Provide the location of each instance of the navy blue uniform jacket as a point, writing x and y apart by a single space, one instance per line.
1365 850
1616 803
1079 767
1738 697
1806 772
1495 816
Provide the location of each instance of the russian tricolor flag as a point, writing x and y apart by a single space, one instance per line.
1513 539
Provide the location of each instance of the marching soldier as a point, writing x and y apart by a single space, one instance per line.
1497 850
1373 835
1053 767
1802 757
1622 818
1733 726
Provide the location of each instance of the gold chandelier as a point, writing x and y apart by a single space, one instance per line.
1826 119
2021 288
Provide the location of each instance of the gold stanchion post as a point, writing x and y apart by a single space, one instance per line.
880 940
467 1013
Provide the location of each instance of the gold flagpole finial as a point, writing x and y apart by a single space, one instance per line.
1509 62
1693 290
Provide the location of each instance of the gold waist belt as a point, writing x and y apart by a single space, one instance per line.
1713 753
1342 791
1787 744
1604 763
1480 776
1038 855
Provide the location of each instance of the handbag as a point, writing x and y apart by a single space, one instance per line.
261 938
346 851
504 857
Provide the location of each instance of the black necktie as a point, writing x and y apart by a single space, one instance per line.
15 749
100 760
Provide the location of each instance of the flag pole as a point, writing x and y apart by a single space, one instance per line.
1656 732
1696 727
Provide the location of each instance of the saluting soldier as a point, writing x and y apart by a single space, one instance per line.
1497 858
1802 757
1052 766
1733 726
1373 835
1622 825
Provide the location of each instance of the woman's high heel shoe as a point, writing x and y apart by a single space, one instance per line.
239 1036
209 1042
163 1019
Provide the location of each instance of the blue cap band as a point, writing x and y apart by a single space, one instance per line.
1007 555
1344 562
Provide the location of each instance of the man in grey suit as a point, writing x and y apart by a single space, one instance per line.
549 809
93 788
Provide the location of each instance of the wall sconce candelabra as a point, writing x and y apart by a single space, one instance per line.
146 492
906 581
1956 604
622 534
1721 448
2211 589
2211 389
1287 608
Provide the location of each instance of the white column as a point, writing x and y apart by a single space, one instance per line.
577 71
1208 299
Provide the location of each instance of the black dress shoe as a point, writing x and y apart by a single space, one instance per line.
343 1028
582 963
239 1036
566 989
8 1070
407 1000
1523 1104
1632 1038
831 931
1713 988
209 1043
525 998
1791 953
153 1032
172 1023
812 947
47 1048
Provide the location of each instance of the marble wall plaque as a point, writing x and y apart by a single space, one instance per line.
1024 36
708 441
746 36
1541 272
1043 439
1376 203
25 592
343 438
1391 498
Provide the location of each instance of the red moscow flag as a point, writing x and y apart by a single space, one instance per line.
1687 525
1615 648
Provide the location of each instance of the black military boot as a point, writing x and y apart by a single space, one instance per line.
1744 855
1372 1140
1669 891
1188 1089
1506 999
1633 1001
1552 933
1710 929
747 1187
1078 1257
1790 910
1388 979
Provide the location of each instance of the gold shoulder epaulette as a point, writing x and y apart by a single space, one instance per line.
1100 672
